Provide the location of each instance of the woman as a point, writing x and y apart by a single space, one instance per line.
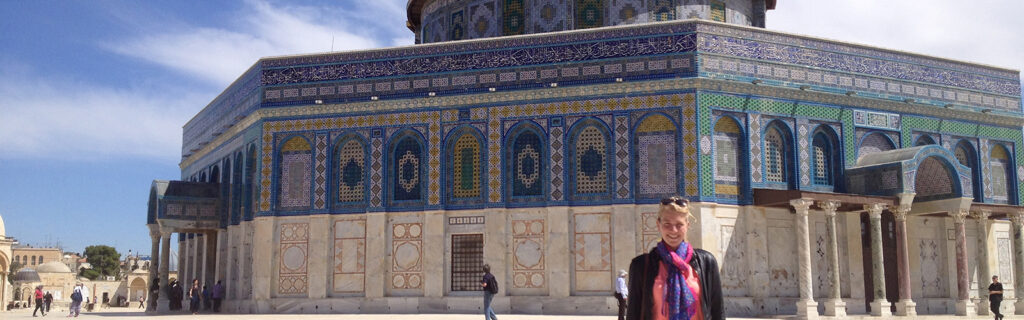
193 295
674 281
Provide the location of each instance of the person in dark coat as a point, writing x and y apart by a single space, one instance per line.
674 280
193 295
995 297
47 300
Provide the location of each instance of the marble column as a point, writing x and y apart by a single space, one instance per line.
1017 219
163 304
984 272
964 307
835 306
906 305
879 306
806 308
154 263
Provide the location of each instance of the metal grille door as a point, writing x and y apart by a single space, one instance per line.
467 262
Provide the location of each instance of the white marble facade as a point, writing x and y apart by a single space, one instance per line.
563 260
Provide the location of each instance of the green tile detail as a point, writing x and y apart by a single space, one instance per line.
849 138
707 177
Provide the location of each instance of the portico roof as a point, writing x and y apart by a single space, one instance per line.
848 202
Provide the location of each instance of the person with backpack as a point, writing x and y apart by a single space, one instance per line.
76 301
490 285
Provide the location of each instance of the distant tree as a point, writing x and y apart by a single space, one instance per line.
15 266
105 261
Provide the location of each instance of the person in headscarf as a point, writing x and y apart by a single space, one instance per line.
674 281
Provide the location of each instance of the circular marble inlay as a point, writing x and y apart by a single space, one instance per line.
294 258
399 231
414 230
398 281
528 253
537 227
537 280
414 281
651 222
407 255
518 227
519 280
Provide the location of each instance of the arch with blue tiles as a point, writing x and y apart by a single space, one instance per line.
779 155
525 161
589 162
967 155
406 176
294 172
350 155
656 155
465 156
826 158
1000 162
730 156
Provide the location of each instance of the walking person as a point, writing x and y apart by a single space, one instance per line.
621 293
490 285
206 298
675 280
76 301
995 296
47 300
193 294
142 302
218 295
39 302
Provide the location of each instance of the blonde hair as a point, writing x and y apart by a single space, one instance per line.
674 207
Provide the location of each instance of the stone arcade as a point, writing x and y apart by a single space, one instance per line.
821 173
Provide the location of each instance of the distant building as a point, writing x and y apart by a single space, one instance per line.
29 256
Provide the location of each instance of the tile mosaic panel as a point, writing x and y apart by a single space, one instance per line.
513 17
295 170
592 249
377 171
626 12
661 10
466 163
622 182
557 164
528 247
349 256
293 244
406 169
548 16
407 255
483 19
874 142
590 156
526 164
690 167
320 195
1004 256
351 170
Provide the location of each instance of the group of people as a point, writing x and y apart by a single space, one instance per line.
43 301
199 297
674 281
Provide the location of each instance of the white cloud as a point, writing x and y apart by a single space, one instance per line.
219 55
71 120
981 31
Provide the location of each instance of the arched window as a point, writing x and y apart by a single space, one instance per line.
655 141
40 259
465 166
774 148
728 144
202 177
250 190
215 174
822 155
1002 174
924 140
965 155
33 260
874 142
589 14
589 152
350 169
295 166
407 169
525 159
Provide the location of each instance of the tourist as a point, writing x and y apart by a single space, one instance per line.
621 293
39 302
675 280
47 300
142 301
76 300
175 294
218 295
995 296
154 292
206 298
490 285
193 295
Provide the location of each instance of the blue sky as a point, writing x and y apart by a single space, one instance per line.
93 94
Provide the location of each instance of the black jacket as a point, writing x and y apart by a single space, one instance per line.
644 269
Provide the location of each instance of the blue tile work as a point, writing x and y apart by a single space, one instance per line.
465 161
525 163
458 26
548 15
622 181
626 11
513 17
406 169
320 172
349 171
655 140
590 161
589 14
483 19
295 166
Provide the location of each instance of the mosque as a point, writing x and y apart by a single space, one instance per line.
537 136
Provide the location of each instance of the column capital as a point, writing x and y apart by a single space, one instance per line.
875 210
1016 217
981 215
801 205
829 206
959 215
900 211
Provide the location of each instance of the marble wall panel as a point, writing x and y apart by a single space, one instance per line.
592 251
782 259
734 266
528 267
349 256
1004 258
407 255
293 244
649 235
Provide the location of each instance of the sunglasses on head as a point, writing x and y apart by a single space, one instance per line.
679 201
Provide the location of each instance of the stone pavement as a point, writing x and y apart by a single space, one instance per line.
132 313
